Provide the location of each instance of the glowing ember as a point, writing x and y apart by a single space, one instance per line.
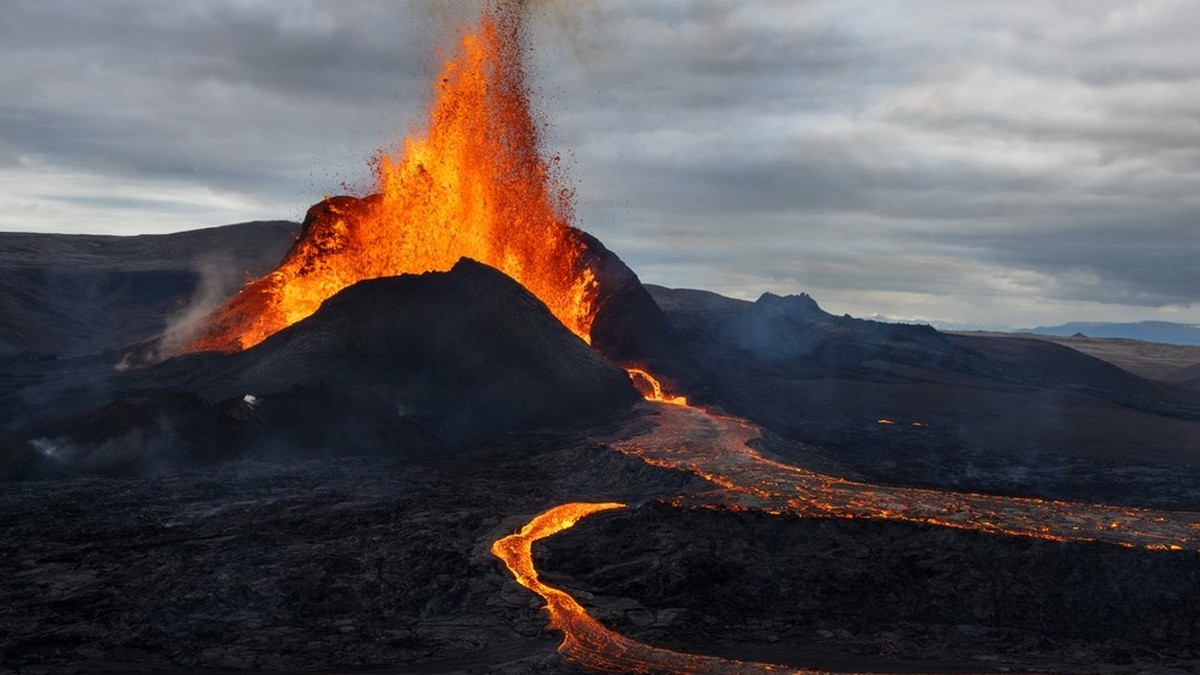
475 186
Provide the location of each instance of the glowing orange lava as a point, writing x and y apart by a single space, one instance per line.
716 448
651 389
586 642
475 186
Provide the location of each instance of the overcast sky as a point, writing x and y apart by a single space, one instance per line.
1018 163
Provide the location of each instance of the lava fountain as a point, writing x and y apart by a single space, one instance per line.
474 186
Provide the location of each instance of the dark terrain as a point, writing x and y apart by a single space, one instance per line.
326 500
339 563
1001 414
397 366
1179 364
80 294
838 594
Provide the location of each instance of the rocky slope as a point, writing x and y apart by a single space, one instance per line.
422 362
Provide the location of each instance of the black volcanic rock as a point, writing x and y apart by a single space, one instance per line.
470 348
791 335
631 329
997 412
395 366
167 430
855 595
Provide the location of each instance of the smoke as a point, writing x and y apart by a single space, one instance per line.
90 445
573 21
219 279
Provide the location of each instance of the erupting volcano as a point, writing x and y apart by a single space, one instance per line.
475 186
434 324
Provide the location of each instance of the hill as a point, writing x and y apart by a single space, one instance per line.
396 366
908 404
1146 331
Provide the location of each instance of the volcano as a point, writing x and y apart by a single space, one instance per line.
474 186
385 451
385 366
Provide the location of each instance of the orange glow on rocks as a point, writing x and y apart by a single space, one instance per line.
475 186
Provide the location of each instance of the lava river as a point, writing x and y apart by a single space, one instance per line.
716 448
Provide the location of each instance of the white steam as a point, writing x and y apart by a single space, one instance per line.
219 279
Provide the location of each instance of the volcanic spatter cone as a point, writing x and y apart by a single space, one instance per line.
392 366
474 186
624 323
469 347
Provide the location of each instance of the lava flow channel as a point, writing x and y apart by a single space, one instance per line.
586 642
715 448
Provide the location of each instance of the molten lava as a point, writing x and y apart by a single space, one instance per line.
474 187
715 447
586 641
652 389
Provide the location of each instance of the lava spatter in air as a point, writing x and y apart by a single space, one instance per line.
474 186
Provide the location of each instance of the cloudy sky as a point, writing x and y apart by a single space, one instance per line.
1003 163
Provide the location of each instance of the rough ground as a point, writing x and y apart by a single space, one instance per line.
366 564
335 564
373 563
77 294
887 596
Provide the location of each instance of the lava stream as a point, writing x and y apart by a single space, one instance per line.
586 642
715 448
652 389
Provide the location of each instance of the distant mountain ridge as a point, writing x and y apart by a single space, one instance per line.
71 294
1148 331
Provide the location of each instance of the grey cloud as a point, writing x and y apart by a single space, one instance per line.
1051 142
988 159
232 96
